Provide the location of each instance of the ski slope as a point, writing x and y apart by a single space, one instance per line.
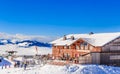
24 51
73 69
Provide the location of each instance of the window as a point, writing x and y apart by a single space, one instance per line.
66 47
115 57
77 47
60 50
85 43
84 46
81 46
66 55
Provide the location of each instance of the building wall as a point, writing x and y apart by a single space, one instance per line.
77 50
111 52
95 58
73 50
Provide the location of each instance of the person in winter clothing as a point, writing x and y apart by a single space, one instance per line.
25 65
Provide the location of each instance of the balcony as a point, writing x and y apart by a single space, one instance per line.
73 50
83 50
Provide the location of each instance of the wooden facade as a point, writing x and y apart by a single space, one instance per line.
85 53
79 50
110 54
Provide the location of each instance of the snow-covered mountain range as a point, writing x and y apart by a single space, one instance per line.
25 41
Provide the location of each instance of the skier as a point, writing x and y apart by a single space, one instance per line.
25 65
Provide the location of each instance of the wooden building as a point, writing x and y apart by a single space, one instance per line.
99 48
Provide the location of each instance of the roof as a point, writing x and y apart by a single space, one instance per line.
98 39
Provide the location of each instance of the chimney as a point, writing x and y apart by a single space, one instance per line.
72 37
91 33
64 38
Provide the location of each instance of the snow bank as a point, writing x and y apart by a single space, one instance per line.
68 69
93 69
79 69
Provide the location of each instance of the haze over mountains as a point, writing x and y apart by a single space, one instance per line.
24 40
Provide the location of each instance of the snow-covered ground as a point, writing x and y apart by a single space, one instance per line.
24 51
73 69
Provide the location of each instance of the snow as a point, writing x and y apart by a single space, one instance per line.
24 51
98 39
19 59
4 41
71 69
25 44
14 40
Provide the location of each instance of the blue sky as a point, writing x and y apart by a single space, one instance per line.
59 17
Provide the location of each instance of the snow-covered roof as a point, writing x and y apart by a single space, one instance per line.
98 39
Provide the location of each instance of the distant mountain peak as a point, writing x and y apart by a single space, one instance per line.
25 41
